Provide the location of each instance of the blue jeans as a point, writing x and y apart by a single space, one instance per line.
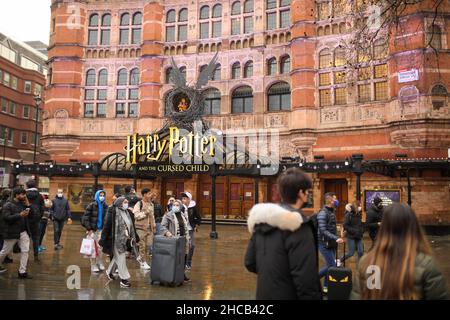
330 259
158 228
354 244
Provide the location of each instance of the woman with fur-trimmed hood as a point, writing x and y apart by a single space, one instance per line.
283 248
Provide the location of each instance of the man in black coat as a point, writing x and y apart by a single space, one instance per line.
37 204
130 195
283 248
16 230
194 220
60 212
373 219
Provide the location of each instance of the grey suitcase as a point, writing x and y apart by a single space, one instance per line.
168 260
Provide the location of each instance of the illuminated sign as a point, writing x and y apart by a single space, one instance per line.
152 147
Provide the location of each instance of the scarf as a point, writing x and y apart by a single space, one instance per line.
100 209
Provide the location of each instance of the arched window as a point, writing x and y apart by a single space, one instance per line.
103 77
248 69
106 20
204 12
125 19
248 6
93 20
122 76
439 96
242 100
183 15
435 37
216 75
137 19
271 66
134 77
105 30
93 30
324 59
339 57
236 8
90 77
170 16
279 97
236 71
212 101
285 65
217 11
167 78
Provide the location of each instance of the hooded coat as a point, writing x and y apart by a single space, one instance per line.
283 253
37 206
374 215
111 234
91 215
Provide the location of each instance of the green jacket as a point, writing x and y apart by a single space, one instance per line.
428 282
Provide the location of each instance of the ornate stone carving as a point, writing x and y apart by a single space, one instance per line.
92 126
275 121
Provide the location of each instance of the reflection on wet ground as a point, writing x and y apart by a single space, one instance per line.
218 271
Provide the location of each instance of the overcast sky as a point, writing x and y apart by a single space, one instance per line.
25 20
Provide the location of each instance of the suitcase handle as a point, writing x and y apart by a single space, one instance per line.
337 251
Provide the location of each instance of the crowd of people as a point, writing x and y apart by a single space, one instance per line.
285 243
124 229
283 250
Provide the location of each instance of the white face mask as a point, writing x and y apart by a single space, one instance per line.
102 199
176 209
59 195
125 206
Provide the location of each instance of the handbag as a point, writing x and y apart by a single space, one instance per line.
88 247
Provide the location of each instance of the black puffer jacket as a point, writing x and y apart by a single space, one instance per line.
283 253
37 205
374 215
194 217
90 218
353 225
14 223
108 231
2 221
326 222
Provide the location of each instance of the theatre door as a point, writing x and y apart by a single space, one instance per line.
234 196
340 188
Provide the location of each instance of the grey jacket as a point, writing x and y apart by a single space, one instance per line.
170 224
428 280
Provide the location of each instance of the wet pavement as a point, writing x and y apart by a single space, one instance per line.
218 271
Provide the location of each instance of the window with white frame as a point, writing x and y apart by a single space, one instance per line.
278 14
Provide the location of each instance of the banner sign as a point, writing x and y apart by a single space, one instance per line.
408 75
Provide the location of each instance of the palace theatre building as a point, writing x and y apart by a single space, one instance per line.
281 65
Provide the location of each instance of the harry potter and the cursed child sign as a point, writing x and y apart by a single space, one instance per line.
178 146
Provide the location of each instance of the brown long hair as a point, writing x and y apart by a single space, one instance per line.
399 241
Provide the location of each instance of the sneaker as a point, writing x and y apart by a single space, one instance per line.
8 260
40 249
95 269
58 247
43 248
125 283
110 276
186 279
24 276
2 269
101 267
145 266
